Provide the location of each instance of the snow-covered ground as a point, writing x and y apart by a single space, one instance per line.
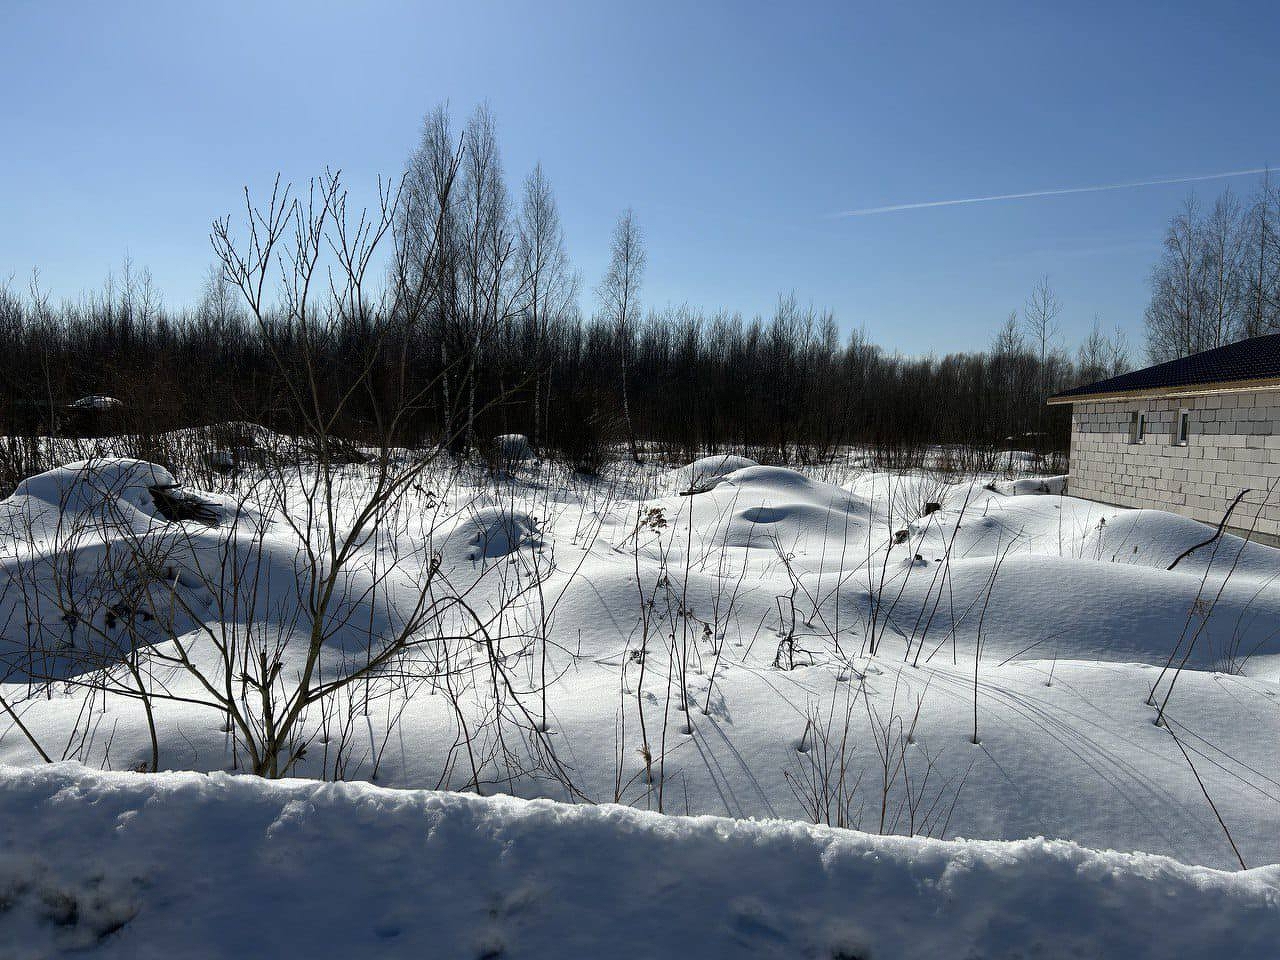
810 645
186 865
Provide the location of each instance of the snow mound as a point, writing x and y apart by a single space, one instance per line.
495 532
98 558
706 472
85 543
1096 578
1157 538
1053 486
102 486
767 509
777 506
1085 611
89 862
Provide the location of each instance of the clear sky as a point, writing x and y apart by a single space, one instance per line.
736 130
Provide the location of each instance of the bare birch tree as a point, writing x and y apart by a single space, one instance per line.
1174 317
550 286
1040 317
428 235
619 295
1223 249
1261 267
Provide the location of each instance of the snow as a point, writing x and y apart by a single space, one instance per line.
494 532
108 484
1066 608
181 864
1028 485
95 402
706 472
82 543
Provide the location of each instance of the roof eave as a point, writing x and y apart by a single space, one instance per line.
1182 390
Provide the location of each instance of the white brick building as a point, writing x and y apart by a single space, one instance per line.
1185 436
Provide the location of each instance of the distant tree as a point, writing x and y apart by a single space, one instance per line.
1040 317
1261 267
1093 359
488 244
1174 317
1217 278
1119 353
1009 341
427 273
1222 247
549 283
1101 356
220 304
483 309
1008 366
619 295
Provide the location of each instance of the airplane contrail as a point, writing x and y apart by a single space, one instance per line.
1033 194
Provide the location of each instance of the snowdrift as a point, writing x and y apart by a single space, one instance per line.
490 533
766 509
705 472
1051 486
109 553
124 865
113 487
81 543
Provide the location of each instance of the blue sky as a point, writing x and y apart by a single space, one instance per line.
735 130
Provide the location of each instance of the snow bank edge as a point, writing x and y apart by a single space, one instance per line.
342 869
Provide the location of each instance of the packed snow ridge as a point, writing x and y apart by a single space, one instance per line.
163 865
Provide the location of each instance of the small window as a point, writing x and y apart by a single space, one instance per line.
1137 427
1184 427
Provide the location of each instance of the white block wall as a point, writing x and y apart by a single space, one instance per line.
1234 442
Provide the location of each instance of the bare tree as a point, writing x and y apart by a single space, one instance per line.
428 236
549 283
1174 317
1101 356
1040 317
1008 341
1118 360
488 243
619 294
1223 249
1093 359
1261 267
267 705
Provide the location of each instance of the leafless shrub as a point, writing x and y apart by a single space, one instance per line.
894 789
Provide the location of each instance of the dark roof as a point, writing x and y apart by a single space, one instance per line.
1257 358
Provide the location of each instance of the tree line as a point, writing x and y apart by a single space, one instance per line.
1218 277
462 318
